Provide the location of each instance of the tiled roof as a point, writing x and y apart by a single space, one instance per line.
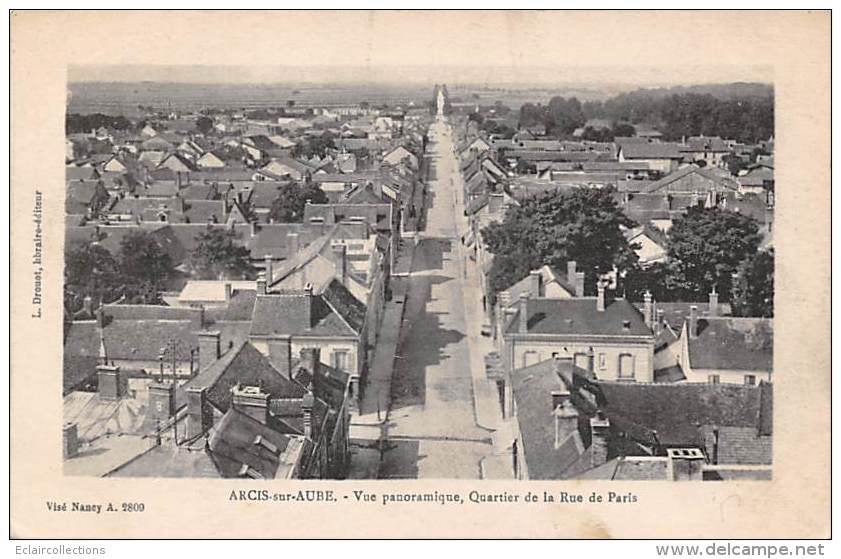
297 313
740 445
733 344
629 468
345 304
578 316
693 178
142 340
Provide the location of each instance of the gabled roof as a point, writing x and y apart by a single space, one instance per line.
241 365
706 176
298 313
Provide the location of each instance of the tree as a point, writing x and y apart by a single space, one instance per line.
316 145
143 260
624 130
734 163
288 207
705 248
218 256
581 224
753 289
204 124
90 271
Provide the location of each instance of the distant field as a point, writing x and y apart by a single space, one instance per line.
125 98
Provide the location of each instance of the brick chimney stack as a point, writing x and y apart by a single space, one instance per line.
199 413
111 384
268 266
340 262
306 407
524 313
599 430
648 310
579 284
261 283
280 354
600 297
210 348
571 272
535 283
713 302
693 321
162 400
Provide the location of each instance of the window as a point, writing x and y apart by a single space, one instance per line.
750 379
602 361
714 379
340 359
626 365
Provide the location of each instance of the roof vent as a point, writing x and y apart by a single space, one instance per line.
626 324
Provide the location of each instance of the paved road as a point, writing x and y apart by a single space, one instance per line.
432 430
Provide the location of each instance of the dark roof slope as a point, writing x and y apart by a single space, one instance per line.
733 343
578 316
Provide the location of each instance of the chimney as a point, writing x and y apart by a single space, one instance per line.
294 244
199 413
504 299
600 296
713 303
261 283
566 417
661 320
693 321
70 435
311 360
524 313
252 401
210 348
306 407
571 268
535 283
340 261
599 429
648 310
686 464
268 267
178 179
280 354
162 400
111 385
228 291
100 317
255 228
87 305
579 284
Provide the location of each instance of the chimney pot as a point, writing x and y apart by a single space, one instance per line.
648 309
306 407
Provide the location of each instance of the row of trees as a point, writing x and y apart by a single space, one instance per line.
747 119
706 248
82 124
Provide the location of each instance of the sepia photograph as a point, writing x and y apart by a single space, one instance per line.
434 283
368 281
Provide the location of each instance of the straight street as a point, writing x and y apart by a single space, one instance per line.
432 429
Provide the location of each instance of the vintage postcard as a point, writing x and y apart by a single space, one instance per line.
393 274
